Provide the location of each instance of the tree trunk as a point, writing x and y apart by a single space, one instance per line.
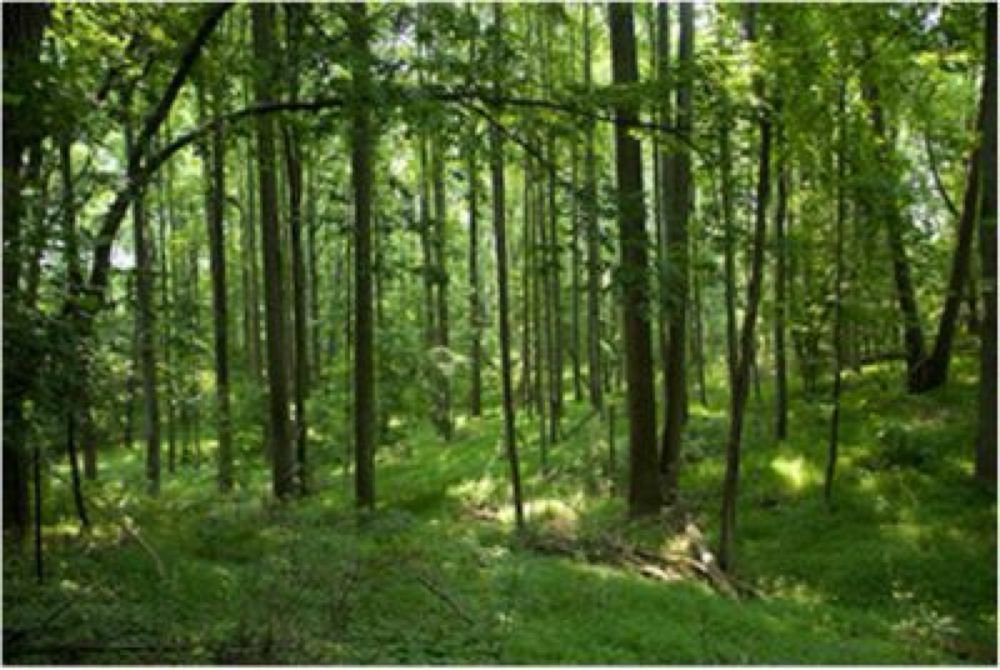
644 493
441 277
678 199
293 165
738 396
146 323
283 457
934 371
361 180
23 25
780 307
986 444
500 240
217 261
596 385
74 280
838 344
475 312
889 210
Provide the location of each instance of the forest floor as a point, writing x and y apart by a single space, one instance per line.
902 569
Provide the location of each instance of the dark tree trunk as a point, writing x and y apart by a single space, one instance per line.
293 165
283 457
596 384
838 344
889 210
361 180
500 239
678 200
23 24
741 375
934 371
780 306
146 321
475 311
442 334
644 493
217 261
986 445
165 210
74 280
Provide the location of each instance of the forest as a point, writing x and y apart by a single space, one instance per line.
499 333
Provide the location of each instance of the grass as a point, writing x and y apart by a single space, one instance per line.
901 570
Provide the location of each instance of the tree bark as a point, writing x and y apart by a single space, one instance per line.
780 306
500 240
293 165
361 178
644 493
146 319
74 280
889 210
838 344
283 457
220 314
741 376
475 311
596 385
678 200
23 25
986 444
934 370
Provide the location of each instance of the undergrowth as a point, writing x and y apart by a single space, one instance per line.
902 568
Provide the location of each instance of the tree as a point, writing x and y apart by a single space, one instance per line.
644 493
145 319
220 312
986 443
293 165
740 381
500 241
677 195
593 234
361 178
283 457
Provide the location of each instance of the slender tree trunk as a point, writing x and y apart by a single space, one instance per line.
575 281
596 385
500 239
986 444
312 251
644 493
361 180
441 277
678 201
741 376
889 210
475 312
146 325
220 314
780 307
838 344
74 280
934 371
283 457
293 165
527 283
166 315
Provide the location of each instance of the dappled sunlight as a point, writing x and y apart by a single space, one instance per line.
795 471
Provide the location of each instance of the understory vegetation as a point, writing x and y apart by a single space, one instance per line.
899 571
